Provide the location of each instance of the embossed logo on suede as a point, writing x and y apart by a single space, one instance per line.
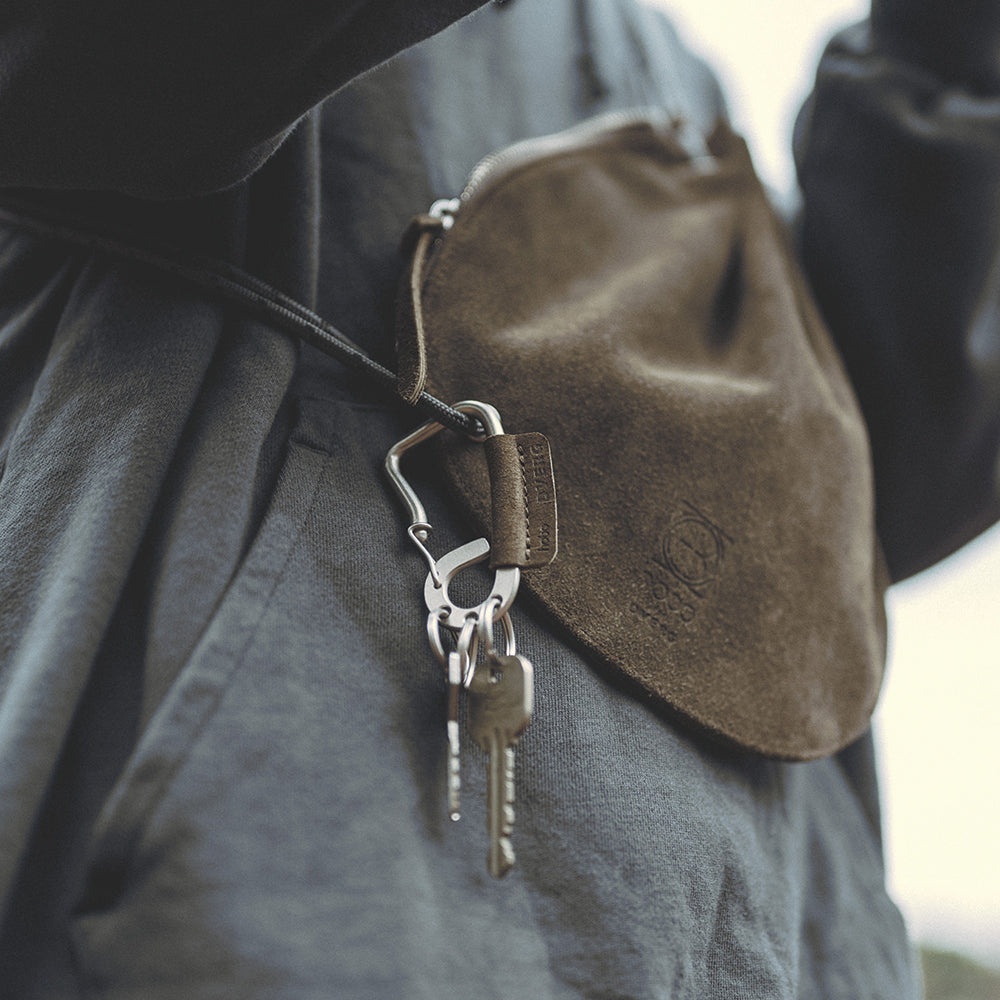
680 574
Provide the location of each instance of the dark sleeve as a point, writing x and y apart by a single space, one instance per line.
179 97
898 153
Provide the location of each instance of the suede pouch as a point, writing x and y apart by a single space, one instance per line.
640 308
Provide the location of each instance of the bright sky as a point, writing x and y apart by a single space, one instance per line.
937 723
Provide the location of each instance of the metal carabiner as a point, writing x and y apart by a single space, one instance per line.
419 527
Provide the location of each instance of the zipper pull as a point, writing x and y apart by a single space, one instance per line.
445 209
438 219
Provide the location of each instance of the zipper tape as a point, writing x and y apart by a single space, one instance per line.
237 286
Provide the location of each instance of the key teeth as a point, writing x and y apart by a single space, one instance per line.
499 862
454 774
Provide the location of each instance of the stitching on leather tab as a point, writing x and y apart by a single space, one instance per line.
524 499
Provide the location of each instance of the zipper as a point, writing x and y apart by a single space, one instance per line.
496 165
493 168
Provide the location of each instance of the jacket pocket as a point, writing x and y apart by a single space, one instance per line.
200 686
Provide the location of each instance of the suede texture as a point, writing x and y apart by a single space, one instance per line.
717 548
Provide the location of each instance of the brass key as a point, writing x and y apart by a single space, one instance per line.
501 699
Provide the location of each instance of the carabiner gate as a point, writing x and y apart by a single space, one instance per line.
419 527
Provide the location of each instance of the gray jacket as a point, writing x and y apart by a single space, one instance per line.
221 744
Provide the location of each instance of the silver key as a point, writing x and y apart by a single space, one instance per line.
501 699
458 666
455 672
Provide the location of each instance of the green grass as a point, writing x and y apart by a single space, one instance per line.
949 976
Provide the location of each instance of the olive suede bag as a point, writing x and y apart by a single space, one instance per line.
639 306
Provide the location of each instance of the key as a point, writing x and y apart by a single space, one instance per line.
501 699
458 665
456 669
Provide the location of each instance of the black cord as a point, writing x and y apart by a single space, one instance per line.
237 286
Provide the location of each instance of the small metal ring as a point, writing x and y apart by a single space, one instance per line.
509 642
509 646
434 635
490 609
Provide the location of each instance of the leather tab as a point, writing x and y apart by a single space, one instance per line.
524 500
411 343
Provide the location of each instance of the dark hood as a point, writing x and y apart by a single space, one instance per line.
177 98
